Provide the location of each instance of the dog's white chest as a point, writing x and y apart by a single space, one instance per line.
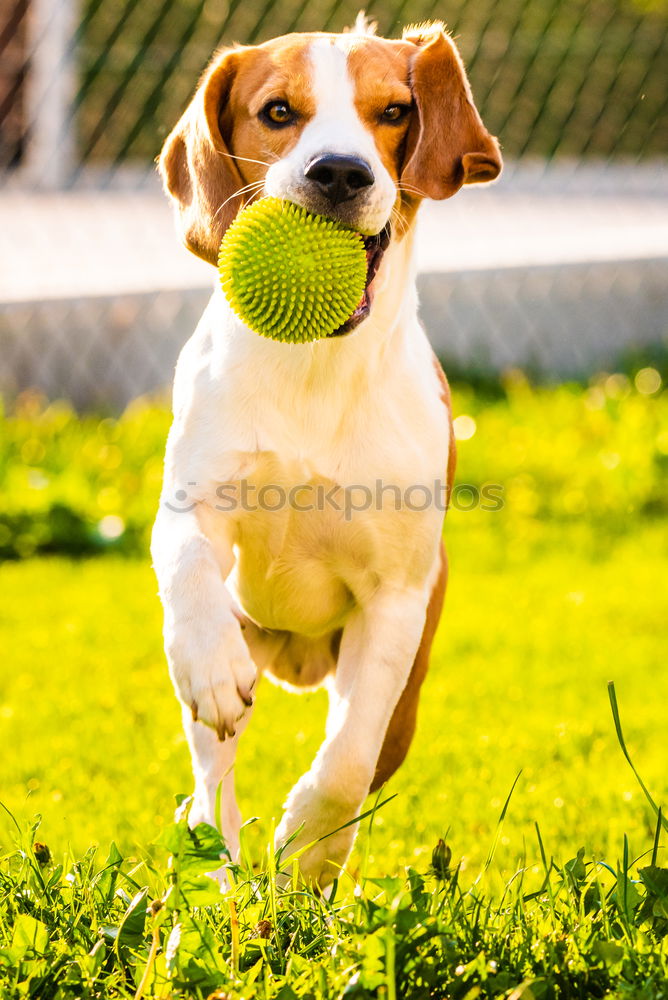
311 545
298 566
321 470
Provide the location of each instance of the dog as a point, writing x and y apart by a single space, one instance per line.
317 584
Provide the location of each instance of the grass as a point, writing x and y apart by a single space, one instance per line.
551 596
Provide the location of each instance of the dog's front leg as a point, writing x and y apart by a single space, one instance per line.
209 661
213 768
378 647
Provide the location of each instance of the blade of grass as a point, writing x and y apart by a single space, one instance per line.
390 962
367 842
620 738
657 834
497 832
234 937
272 872
150 962
358 819
11 816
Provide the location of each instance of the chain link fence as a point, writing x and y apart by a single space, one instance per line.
90 88
552 77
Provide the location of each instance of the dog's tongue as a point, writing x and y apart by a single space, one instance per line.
374 248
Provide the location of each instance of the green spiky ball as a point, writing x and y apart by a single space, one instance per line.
291 275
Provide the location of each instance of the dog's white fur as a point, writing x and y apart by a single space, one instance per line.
341 412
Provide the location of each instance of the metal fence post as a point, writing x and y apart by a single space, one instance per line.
50 89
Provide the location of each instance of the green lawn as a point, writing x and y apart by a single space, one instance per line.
550 597
92 736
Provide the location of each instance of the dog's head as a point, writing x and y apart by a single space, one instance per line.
351 126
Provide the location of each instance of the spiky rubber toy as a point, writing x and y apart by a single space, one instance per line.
290 275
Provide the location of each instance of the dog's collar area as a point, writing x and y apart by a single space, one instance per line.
375 247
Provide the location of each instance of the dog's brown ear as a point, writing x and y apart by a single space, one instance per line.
447 144
196 167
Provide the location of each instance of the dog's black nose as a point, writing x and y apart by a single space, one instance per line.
339 178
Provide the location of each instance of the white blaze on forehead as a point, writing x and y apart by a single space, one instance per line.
330 74
336 122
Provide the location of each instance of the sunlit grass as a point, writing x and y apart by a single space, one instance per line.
91 729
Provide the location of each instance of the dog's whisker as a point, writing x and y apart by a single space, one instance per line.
400 222
409 189
247 189
246 159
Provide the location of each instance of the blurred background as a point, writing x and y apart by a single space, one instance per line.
546 296
559 269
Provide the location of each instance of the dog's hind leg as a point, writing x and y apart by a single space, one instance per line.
378 647
213 765
401 729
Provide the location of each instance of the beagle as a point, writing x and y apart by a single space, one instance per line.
299 528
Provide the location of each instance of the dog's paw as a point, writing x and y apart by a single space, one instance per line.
322 847
214 678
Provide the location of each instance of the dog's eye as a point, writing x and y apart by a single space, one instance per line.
278 113
395 112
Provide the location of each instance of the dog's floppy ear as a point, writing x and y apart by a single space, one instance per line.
197 169
447 144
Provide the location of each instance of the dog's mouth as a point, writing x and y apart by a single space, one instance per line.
375 247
